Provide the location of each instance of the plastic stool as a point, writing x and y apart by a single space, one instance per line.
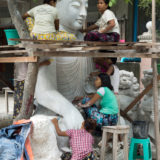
147 154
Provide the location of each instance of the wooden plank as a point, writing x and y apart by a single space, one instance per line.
41 46
156 109
70 49
31 77
93 54
8 46
109 48
134 102
13 52
155 85
95 43
123 114
149 44
78 42
17 59
54 46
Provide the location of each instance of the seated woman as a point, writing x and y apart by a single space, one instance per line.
108 113
46 21
108 66
107 25
43 22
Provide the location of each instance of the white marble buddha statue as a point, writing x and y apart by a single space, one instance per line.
72 14
72 71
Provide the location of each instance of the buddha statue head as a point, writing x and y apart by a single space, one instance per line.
72 14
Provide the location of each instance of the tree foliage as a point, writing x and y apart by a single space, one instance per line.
146 5
113 2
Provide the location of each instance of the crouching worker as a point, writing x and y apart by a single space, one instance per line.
107 115
81 140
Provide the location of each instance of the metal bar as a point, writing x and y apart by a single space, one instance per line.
135 25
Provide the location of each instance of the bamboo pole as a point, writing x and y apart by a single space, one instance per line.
155 84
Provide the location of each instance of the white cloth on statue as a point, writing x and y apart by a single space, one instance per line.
115 79
102 23
44 16
20 71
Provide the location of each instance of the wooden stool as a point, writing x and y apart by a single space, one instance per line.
115 130
7 90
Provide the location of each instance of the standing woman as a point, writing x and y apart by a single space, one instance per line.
107 26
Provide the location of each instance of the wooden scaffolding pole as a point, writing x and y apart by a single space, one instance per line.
31 77
155 84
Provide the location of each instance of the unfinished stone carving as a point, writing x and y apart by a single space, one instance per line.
128 89
43 139
72 71
66 74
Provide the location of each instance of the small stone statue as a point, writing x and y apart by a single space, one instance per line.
146 36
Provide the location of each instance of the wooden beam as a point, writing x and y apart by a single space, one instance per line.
78 42
155 84
123 114
93 43
93 54
109 48
156 109
13 52
145 91
81 47
9 46
17 59
41 46
31 77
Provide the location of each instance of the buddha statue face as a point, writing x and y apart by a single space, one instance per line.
72 14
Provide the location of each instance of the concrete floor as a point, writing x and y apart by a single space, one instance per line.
3 104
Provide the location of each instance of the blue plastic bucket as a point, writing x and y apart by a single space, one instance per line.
11 33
